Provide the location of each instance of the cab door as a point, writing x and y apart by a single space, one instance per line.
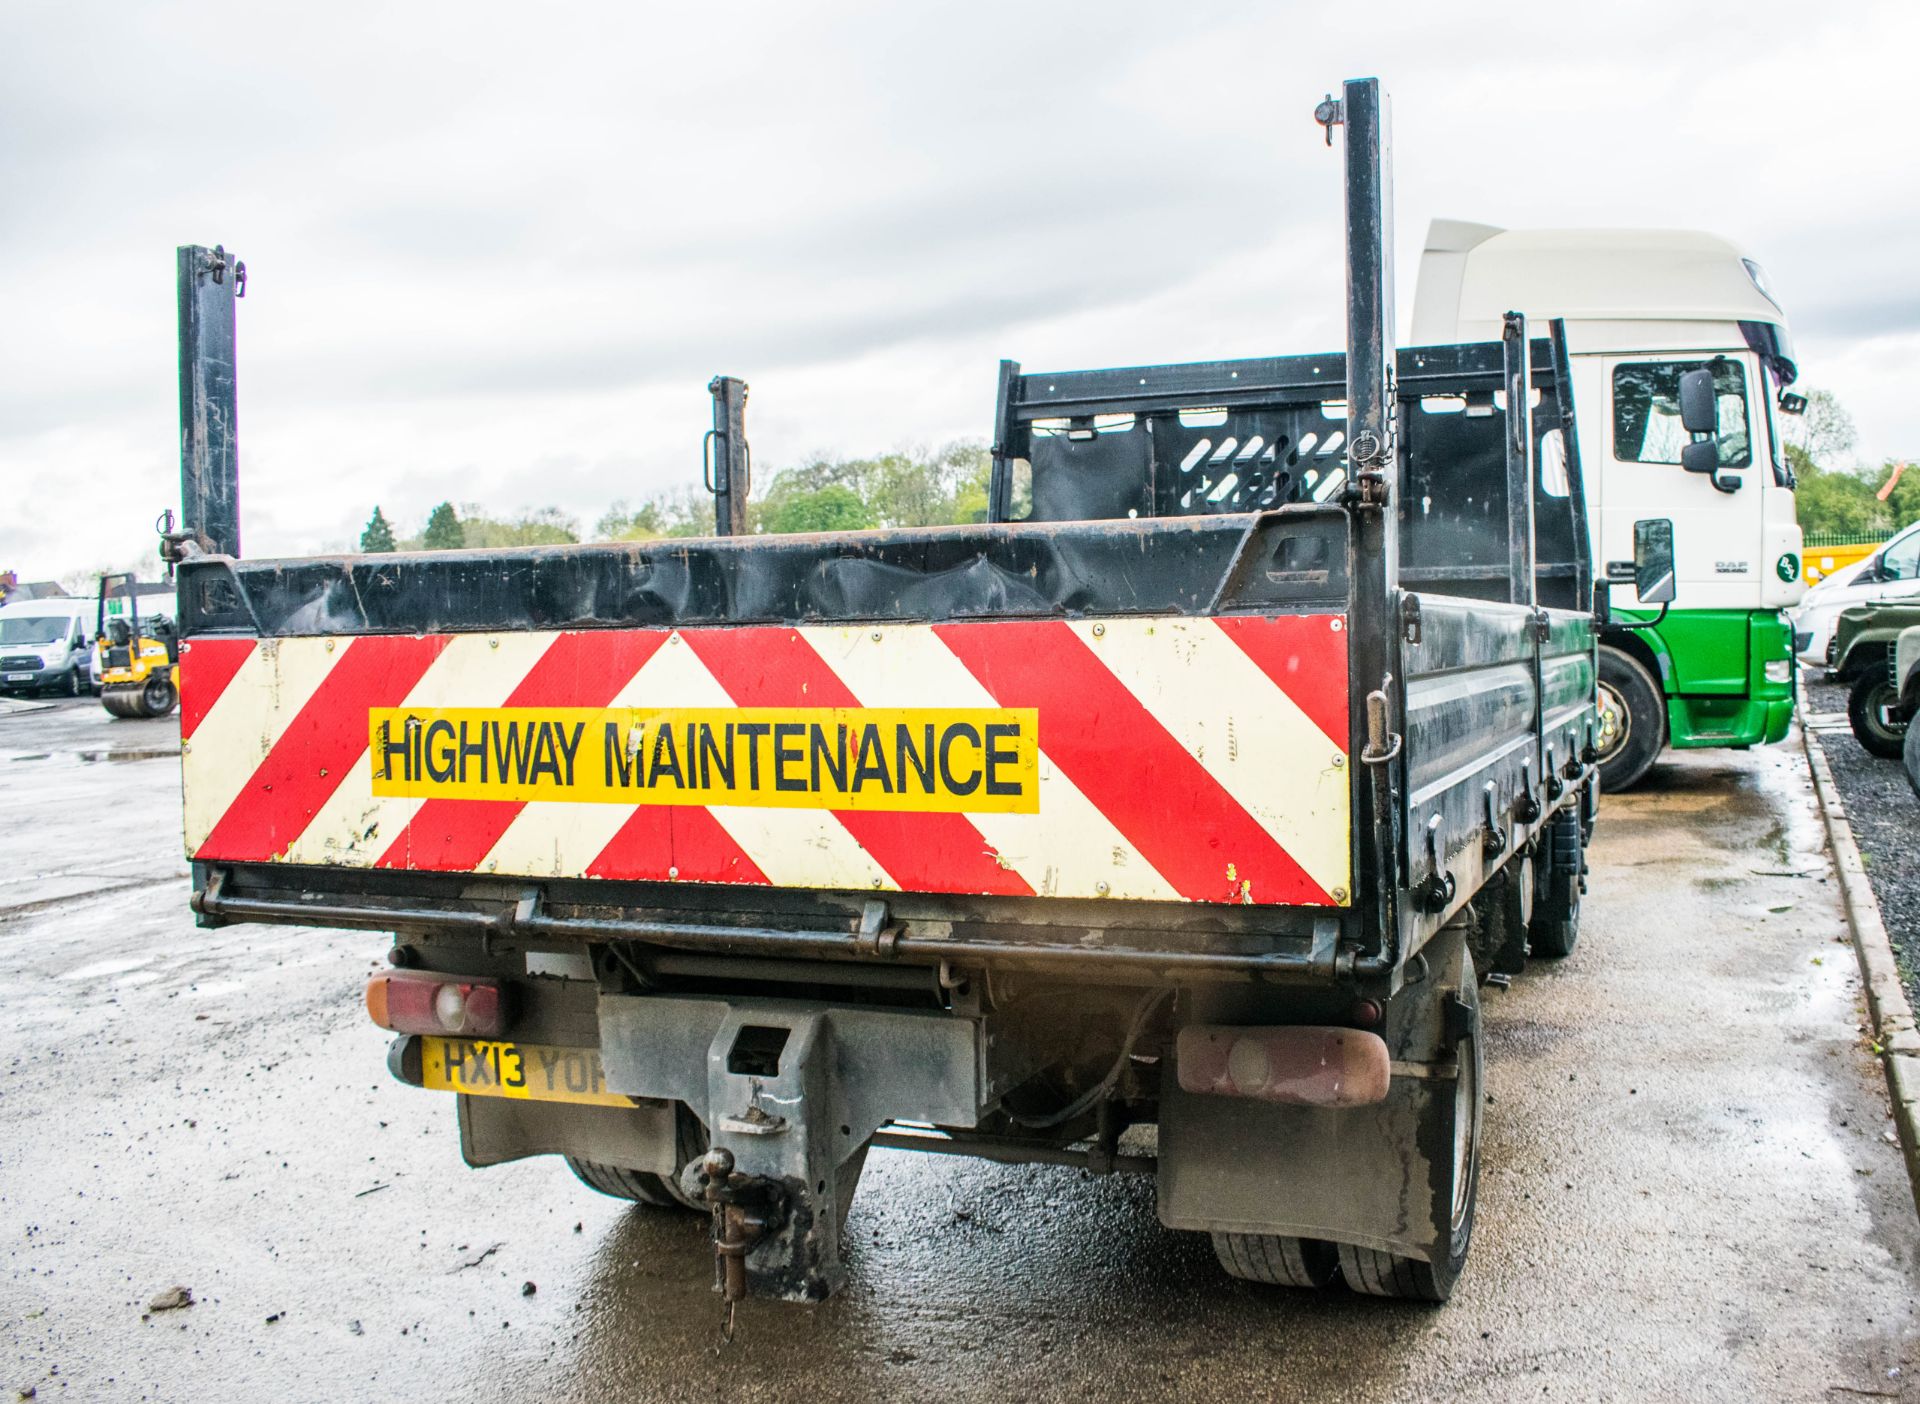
1718 531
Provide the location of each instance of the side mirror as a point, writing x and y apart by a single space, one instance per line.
1791 403
1653 560
1700 456
1699 410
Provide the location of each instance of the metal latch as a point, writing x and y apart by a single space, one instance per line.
1494 841
1382 744
1526 805
1436 889
1330 112
877 936
1410 618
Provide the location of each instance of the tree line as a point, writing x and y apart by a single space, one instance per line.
932 487
1834 494
906 488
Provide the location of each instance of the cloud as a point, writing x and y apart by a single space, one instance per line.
497 253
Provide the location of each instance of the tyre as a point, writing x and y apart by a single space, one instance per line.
158 697
646 1186
1380 1274
641 1186
1275 1259
1873 711
72 688
1556 903
1910 758
1633 720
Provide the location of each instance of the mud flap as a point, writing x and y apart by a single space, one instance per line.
792 1092
1379 1176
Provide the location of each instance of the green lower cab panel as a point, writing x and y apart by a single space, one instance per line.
1715 670
1725 721
1709 651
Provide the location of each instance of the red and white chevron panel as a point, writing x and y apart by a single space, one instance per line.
1179 759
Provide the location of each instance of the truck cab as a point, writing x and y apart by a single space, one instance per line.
1641 308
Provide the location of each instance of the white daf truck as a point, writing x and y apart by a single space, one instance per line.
1643 306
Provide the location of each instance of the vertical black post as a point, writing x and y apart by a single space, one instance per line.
1371 443
208 281
1517 375
1576 472
1000 484
730 464
1373 496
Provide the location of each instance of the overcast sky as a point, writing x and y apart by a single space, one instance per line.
497 251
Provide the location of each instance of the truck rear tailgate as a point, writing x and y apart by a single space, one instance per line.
1190 757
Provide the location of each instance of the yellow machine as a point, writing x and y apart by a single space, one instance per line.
1818 562
137 667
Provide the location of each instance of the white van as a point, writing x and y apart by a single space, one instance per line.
1891 573
46 644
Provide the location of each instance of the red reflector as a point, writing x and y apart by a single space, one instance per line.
1303 1066
421 1002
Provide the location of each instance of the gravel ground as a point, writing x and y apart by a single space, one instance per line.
1884 813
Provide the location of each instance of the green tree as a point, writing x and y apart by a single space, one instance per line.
545 526
906 488
835 507
379 533
682 513
443 530
1833 495
910 487
1835 501
1823 432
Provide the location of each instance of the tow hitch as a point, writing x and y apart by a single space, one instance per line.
791 1094
746 1208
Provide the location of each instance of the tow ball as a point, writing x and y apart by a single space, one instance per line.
745 1209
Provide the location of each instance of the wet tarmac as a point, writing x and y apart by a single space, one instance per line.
1689 1188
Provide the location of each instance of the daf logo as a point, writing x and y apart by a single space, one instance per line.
1729 567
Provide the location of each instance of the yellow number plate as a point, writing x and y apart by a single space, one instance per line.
530 1071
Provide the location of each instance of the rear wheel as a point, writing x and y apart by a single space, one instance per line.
1633 720
1910 758
1556 904
648 1186
1381 1274
1276 1259
641 1186
1874 713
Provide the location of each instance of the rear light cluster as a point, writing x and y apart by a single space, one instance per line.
421 1002
1309 1067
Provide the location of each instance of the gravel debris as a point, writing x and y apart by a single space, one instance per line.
1886 822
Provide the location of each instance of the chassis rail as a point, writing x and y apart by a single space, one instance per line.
871 939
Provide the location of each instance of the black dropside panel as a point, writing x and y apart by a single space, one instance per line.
1295 558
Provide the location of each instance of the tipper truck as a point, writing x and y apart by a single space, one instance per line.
1167 822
